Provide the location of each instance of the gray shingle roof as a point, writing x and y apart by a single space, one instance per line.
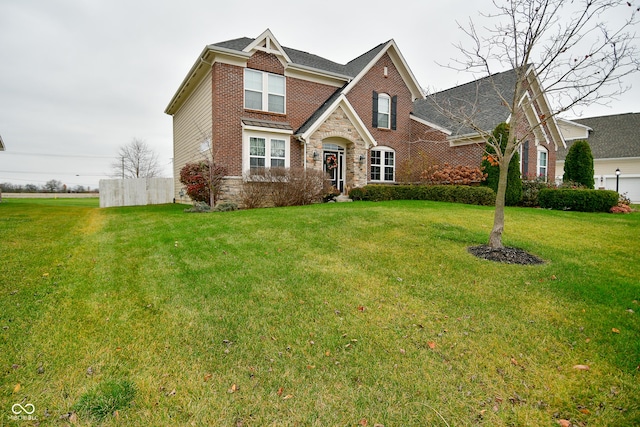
479 100
612 137
299 57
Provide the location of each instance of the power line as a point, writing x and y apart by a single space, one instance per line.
84 156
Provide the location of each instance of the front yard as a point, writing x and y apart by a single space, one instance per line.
344 314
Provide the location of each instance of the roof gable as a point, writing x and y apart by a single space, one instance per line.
266 42
337 100
610 137
361 65
482 102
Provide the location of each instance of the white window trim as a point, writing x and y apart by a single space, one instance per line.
268 136
541 149
265 91
388 114
382 166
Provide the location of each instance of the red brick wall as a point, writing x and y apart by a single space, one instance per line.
302 99
393 85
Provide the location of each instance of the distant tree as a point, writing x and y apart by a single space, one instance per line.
53 186
491 166
578 166
136 160
31 188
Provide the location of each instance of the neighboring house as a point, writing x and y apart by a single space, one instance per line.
262 105
615 144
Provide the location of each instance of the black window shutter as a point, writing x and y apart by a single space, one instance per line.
374 120
525 158
394 104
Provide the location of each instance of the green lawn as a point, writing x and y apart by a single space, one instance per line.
329 315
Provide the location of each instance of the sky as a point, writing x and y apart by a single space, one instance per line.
81 78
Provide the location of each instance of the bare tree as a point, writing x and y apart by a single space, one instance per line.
580 51
215 173
136 160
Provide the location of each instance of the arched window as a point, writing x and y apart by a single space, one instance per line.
383 164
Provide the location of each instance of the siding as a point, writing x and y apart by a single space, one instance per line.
191 124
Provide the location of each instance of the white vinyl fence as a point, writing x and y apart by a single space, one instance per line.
135 192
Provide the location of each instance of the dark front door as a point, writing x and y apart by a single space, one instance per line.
333 165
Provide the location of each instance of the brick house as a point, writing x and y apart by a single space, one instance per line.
259 104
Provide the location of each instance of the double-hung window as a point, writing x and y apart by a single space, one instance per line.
264 91
542 162
267 151
383 165
384 111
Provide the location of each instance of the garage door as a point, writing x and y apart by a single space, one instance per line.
628 184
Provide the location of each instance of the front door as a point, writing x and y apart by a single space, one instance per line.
334 166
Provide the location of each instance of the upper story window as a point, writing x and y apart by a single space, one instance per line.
264 91
384 111
383 164
543 157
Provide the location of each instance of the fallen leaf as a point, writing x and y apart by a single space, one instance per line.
207 377
588 340
311 366
363 422
402 351
172 392
431 344
582 367
361 308
116 414
73 418
615 330
514 362
45 275
564 423
16 389
327 353
288 396
233 389
553 277
585 411
279 392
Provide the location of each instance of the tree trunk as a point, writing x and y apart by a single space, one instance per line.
495 238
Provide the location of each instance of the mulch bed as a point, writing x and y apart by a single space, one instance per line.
506 254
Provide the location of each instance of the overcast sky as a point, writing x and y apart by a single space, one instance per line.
80 78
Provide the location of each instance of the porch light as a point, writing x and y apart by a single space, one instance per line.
617 179
361 159
315 155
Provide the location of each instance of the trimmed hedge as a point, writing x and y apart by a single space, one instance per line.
582 200
438 193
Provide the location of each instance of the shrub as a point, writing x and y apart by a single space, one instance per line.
410 170
202 182
583 200
284 187
513 193
578 165
440 193
623 206
530 190
452 175
199 207
225 207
